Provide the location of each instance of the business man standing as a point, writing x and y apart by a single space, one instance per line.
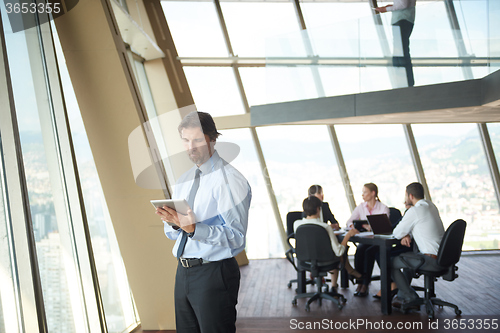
210 235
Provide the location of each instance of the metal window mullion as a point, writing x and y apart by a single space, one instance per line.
457 34
342 168
490 158
415 157
25 266
331 129
253 132
309 49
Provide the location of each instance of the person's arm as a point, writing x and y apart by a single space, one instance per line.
355 216
400 4
383 9
339 248
328 216
233 198
405 226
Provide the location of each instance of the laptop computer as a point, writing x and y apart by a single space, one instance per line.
380 224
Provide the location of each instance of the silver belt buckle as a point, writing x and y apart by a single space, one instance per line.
184 262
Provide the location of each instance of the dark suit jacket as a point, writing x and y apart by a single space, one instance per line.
327 214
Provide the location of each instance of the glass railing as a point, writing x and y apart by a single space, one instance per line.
450 41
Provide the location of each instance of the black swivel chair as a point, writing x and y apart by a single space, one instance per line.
314 254
448 255
291 217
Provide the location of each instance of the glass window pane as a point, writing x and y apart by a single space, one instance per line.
274 84
115 291
8 301
263 240
214 90
253 27
298 157
459 180
321 14
195 28
57 262
494 130
377 154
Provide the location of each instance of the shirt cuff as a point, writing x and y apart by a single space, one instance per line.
201 231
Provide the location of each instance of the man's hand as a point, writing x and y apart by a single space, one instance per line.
406 241
382 9
185 222
335 226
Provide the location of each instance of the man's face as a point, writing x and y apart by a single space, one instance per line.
407 199
197 144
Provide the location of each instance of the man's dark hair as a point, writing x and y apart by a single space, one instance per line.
314 189
415 189
311 205
200 119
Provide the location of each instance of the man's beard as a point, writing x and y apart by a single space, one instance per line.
198 156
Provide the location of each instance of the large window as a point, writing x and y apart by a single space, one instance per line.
263 240
115 291
459 181
377 154
8 300
298 157
57 261
346 34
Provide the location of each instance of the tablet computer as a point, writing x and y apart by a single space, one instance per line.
180 206
358 224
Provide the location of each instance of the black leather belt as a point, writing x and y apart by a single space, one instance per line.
193 262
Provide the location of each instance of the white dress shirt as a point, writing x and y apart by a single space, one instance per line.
221 208
337 248
423 224
402 10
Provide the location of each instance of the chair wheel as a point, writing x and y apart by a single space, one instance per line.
308 308
294 302
289 285
340 306
458 312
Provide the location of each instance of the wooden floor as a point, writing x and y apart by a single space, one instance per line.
265 302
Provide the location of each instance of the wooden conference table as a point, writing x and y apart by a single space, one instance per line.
385 244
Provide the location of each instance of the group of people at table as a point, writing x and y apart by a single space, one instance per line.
420 230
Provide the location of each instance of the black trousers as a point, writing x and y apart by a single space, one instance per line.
364 260
405 27
206 297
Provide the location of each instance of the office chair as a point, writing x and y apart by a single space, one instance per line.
448 255
291 217
314 254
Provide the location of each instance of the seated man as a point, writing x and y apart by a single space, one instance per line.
311 206
422 223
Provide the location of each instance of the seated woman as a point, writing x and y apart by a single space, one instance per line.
370 206
326 214
312 206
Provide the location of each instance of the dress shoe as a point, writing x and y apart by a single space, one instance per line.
360 293
398 303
